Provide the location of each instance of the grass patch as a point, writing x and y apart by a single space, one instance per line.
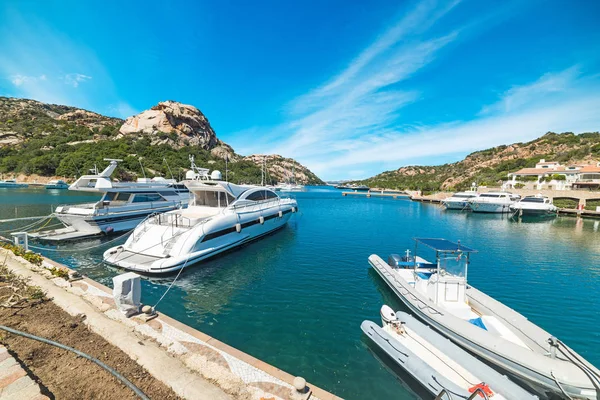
566 203
592 204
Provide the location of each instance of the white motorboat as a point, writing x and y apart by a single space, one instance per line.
440 366
57 184
459 200
290 185
438 294
493 202
122 207
12 183
219 217
537 205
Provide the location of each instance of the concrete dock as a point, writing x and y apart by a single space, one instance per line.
194 365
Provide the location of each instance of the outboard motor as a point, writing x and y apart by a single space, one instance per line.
394 260
387 315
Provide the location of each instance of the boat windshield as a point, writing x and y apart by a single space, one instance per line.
533 200
455 265
490 195
464 195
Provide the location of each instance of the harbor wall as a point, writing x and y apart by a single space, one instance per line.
193 364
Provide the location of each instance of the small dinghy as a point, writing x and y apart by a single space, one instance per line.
444 369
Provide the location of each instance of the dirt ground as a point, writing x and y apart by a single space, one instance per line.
62 374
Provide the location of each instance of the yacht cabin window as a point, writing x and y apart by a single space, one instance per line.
147 197
212 198
261 195
533 200
490 195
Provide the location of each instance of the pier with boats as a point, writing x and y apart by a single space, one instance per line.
174 226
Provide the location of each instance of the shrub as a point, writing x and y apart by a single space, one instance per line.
519 186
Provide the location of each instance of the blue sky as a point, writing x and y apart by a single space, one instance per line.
349 88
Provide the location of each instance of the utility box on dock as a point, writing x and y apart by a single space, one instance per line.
20 239
127 293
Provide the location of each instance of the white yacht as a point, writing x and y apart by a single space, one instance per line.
534 205
438 293
493 202
459 200
12 183
219 217
57 184
122 207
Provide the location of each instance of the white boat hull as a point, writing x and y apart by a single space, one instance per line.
496 208
155 256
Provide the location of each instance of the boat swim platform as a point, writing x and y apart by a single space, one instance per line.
63 235
195 354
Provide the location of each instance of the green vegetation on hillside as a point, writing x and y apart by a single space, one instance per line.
499 161
52 155
48 146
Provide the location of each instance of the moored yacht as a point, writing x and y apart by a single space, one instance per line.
122 206
57 184
459 200
12 183
220 216
493 202
438 293
538 205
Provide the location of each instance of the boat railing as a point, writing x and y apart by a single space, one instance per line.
259 205
405 291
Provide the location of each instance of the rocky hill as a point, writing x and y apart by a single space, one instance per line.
40 140
490 167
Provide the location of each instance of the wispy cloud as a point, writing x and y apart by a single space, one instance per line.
354 122
46 65
75 79
546 86
19 79
363 102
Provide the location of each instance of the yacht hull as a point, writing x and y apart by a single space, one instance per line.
493 208
210 240
533 369
456 205
89 225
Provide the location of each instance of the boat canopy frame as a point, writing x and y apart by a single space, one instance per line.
444 249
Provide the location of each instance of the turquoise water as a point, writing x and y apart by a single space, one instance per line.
296 298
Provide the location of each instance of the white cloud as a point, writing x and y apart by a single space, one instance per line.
75 79
19 79
48 66
363 102
547 85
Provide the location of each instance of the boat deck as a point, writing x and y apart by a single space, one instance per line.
63 234
443 364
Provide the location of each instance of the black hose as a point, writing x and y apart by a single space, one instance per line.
120 377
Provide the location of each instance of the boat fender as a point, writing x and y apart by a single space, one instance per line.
261 219
293 209
110 229
238 228
280 214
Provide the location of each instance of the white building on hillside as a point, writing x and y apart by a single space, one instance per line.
552 175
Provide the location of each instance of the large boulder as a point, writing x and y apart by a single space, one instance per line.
188 124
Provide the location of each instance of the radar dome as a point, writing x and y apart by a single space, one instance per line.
216 175
190 175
